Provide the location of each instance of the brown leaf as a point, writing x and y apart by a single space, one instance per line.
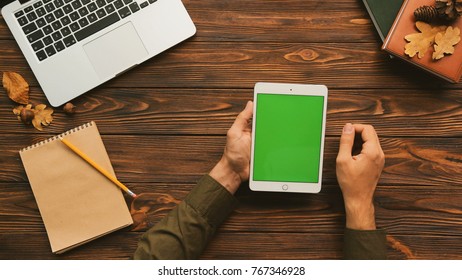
43 116
445 42
16 87
420 42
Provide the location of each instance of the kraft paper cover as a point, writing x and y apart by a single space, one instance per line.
76 202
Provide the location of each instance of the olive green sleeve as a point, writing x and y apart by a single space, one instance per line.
185 232
365 245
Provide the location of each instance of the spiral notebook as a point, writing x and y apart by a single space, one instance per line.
76 202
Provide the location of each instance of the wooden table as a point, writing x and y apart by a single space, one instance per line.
164 125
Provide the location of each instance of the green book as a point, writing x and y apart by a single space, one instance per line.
383 14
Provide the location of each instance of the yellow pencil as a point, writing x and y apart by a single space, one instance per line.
96 166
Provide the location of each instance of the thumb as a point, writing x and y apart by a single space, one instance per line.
346 141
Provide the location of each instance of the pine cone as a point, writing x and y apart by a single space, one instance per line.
449 10
458 6
426 14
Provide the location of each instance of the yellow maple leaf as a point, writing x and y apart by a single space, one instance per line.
420 42
43 116
445 42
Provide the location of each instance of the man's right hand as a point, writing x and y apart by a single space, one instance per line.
358 175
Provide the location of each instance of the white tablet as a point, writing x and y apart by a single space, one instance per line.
288 130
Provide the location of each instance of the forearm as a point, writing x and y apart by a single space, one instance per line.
185 232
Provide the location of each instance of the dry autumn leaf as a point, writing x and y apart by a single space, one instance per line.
16 87
43 116
420 42
445 42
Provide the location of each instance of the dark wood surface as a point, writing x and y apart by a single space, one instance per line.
164 125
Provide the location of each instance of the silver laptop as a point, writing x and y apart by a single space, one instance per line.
73 46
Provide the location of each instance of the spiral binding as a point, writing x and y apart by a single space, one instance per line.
83 126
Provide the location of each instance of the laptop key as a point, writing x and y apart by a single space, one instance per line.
85 2
69 41
56 36
50 18
124 12
144 4
100 3
32 16
47 40
152 1
38 45
59 13
65 20
74 26
101 13
65 31
134 7
18 14
56 25
22 21
40 12
97 26
41 22
38 4
41 55
50 50
50 7
92 7
83 22
47 30
83 11
118 4
109 8
68 9
59 3
76 4
35 36
74 16
29 28
127 1
92 18
28 9
59 46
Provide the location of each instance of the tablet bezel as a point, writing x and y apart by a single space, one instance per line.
288 89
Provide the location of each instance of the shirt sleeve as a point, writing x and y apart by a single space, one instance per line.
185 232
365 245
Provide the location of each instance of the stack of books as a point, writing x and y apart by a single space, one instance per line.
394 20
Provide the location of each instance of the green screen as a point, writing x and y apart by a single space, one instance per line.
288 138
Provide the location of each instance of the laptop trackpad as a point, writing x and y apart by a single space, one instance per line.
116 51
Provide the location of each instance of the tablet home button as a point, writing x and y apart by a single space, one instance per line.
285 187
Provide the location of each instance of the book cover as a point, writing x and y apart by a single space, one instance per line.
448 68
76 202
383 14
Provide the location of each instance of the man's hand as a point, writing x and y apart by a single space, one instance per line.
358 175
234 166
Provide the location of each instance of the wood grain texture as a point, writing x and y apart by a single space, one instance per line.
226 245
240 65
161 158
402 210
212 111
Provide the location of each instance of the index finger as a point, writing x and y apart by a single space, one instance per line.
369 136
242 120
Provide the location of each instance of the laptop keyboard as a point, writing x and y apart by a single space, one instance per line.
54 25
